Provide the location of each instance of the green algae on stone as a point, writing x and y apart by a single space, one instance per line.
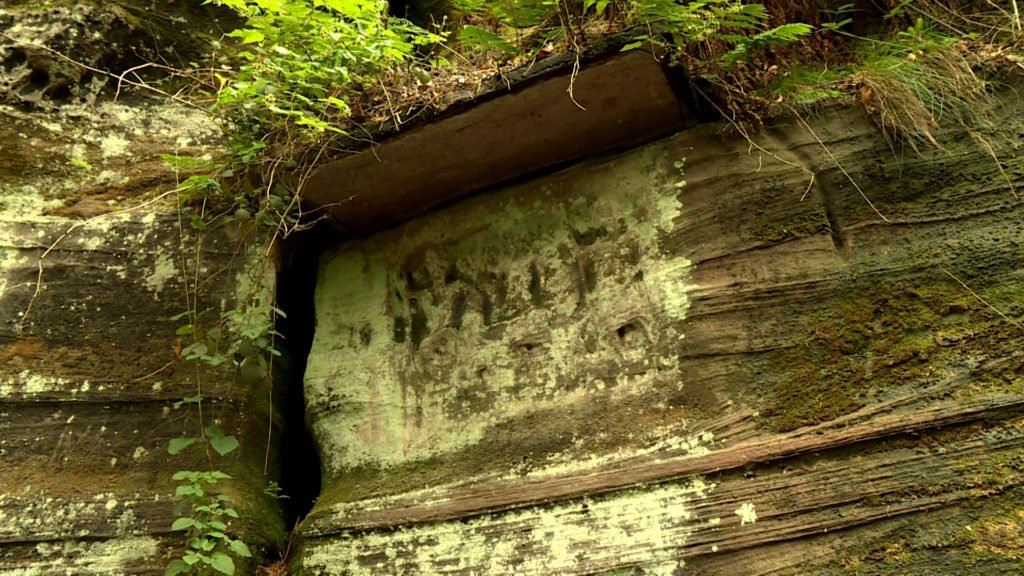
876 341
109 557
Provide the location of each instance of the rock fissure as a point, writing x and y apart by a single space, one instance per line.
299 460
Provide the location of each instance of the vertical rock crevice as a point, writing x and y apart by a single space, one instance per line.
299 459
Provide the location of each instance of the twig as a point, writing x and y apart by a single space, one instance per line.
270 406
991 152
39 277
155 372
176 71
980 299
387 96
572 77
838 165
566 19
810 184
119 78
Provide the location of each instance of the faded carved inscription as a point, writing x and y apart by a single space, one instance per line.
529 297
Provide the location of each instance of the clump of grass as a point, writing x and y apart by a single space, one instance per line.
917 80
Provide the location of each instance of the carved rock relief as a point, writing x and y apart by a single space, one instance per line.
539 294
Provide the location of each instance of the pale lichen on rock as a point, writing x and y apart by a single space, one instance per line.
531 299
636 527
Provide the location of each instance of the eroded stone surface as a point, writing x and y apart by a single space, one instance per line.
56 52
89 381
599 324
96 262
89 359
542 296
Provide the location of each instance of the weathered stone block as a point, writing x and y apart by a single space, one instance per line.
89 379
489 380
433 337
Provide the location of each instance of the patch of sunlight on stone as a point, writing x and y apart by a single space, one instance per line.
629 528
567 462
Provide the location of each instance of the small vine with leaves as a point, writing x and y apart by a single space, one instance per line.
294 66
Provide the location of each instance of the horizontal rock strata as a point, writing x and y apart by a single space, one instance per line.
792 354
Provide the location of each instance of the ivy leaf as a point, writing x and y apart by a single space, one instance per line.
248 35
183 523
188 490
222 443
195 351
176 445
222 563
176 567
239 548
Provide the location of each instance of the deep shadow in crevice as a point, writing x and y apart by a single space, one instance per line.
296 283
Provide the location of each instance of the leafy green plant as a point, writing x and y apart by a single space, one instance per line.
804 85
243 334
599 6
302 58
274 490
297 64
783 34
739 27
841 17
684 24
205 525
203 514
221 443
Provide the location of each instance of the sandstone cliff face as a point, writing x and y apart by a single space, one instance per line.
96 262
610 370
686 358
90 391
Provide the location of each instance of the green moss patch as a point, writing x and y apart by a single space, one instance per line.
878 340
